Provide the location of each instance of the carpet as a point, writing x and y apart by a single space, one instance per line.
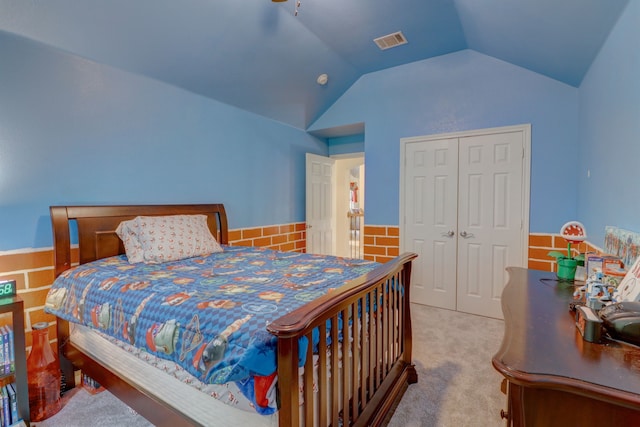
82 409
457 385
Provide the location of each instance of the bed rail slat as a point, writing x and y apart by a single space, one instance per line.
308 383
392 321
364 368
355 359
335 383
323 380
346 366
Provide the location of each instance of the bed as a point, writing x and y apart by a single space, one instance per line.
374 364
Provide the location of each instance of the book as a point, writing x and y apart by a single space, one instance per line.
6 408
12 354
5 349
13 403
4 337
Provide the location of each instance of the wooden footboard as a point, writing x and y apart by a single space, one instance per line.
371 321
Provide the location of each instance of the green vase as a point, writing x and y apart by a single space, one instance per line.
567 268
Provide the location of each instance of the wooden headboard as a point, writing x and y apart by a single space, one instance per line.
97 224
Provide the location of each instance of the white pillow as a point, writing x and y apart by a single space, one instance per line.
157 239
127 232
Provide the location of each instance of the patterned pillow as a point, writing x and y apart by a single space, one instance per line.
127 232
157 239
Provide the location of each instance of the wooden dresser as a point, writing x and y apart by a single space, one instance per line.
552 376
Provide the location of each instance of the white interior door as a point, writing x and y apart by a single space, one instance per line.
476 185
320 191
489 219
431 187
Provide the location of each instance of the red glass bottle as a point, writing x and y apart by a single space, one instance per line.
43 373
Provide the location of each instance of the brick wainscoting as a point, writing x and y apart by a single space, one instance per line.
381 242
540 245
287 237
33 272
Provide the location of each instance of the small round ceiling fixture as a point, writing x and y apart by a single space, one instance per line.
322 79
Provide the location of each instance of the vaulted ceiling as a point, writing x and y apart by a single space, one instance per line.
259 56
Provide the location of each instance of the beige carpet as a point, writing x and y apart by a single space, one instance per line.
82 409
457 385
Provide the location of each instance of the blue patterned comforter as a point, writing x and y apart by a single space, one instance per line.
208 314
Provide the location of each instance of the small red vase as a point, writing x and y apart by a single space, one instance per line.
43 373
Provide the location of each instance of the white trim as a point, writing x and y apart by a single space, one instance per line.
25 251
30 250
357 155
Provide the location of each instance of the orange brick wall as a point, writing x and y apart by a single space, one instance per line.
287 237
540 245
32 269
381 242
33 272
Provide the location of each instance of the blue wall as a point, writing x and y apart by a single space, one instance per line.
610 132
464 91
76 132
346 144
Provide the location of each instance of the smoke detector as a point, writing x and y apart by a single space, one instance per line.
391 40
322 79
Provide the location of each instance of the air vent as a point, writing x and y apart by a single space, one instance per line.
390 40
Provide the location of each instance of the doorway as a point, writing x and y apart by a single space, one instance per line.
335 204
465 209
350 206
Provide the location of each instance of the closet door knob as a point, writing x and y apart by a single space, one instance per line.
449 233
466 235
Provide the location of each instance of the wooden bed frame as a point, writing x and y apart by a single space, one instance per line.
377 374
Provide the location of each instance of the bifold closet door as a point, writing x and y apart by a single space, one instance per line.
431 199
489 219
463 210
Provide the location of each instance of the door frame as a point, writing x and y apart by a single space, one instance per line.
339 168
526 178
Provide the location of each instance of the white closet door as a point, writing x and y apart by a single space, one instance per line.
473 184
490 210
431 179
